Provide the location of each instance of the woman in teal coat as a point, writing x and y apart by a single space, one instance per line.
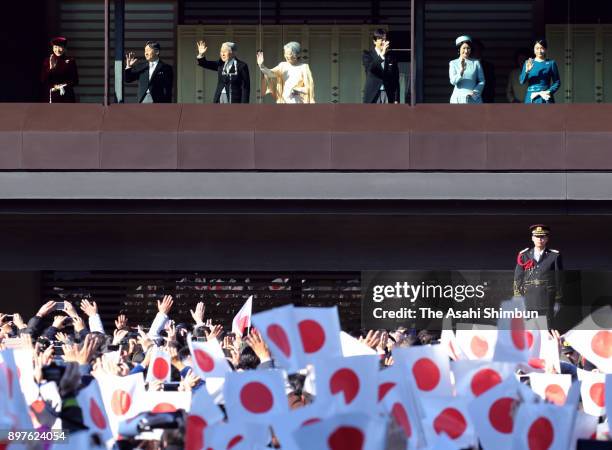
541 75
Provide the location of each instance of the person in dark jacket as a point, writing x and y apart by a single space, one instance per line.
233 82
382 73
155 77
59 74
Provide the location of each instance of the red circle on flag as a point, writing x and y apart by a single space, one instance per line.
256 397
235 440
160 368
120 402
204 360
194 433
500 415
597 394
555 393
96 414
529 337
383 389
426 374
346 438
277 335
9 380
601 343
479 346
483 380
345 381
310 421
451 422
38 406
312 334
401 417
518 333
164 408
537 363
540 435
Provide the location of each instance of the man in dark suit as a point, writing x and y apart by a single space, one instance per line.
382 73
233 83
538 274
155 78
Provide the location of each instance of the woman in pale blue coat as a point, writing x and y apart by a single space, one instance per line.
466 74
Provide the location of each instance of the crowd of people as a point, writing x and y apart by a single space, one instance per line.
291 80
73 352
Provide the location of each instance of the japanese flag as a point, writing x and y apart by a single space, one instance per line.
159 367
242 319
551 387
352 347
448 415
284 426
353 379
278 328
492 415
406 416
318 332
351 431
512 339
541 426
473 378
592 341
235 436
94 413
203 413
255 396
533 329
477 341
449 342
427 369
122 397
388 379
17 407
166 401
592 391
208 359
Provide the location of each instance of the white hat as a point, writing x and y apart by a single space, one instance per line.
461 39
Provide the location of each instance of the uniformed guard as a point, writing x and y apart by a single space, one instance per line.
537 275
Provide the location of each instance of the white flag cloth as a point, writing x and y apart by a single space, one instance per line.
427 369
352 347
235 436
592 341
449 342
159 367
17 407
208 359
255 396
473 378
541 426
609 395
319 333
585 427
351 431
166 401
553 387
512 339
242 319
203 413
476 341
592 391
492 415
94 413
285 425
354 379
405 414
122 397
277 326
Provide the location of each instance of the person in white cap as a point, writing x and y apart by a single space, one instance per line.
466 74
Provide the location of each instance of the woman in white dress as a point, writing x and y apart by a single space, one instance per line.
290 81
466 74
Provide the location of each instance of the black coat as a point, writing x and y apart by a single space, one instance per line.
160 85
64 72
377 77
538 281
237 82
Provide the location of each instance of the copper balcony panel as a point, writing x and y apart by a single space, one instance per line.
347 137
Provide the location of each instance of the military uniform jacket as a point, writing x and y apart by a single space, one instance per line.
538 281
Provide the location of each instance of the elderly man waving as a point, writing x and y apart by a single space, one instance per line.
234 84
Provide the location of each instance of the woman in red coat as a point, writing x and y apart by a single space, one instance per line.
59 74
